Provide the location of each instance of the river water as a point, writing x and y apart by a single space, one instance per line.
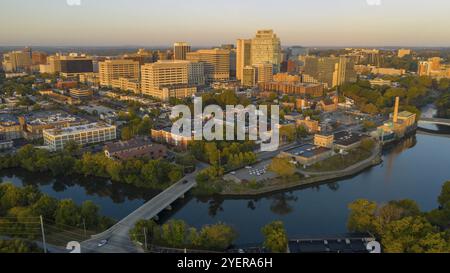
414 169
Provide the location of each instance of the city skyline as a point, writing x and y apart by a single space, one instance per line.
119 23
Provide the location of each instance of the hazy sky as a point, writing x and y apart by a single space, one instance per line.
213 22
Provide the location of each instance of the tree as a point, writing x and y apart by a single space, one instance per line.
90 214
150 228
444 197
282 167
174 234
275 238
216 237
368 125
413 235
45 206
67 213
362 217
18 246
367 144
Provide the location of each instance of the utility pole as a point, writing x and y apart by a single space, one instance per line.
145 238
84 227
43 234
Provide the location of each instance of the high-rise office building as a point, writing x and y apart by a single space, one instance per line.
216 62
180 50
243 56
165 79
75 64
17 61
266 48
110 70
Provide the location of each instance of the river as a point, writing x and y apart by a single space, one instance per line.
414 169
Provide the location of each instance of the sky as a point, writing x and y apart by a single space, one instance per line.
215 22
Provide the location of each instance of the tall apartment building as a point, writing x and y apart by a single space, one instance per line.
83 134
111 70
165 79
266 48
216 62
243 56
344 71
180 49
17 61
264 72
331 71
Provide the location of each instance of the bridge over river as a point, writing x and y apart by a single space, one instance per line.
118 235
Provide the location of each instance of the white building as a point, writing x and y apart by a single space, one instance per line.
82 134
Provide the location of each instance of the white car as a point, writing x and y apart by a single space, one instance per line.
102 243
233 173
249 167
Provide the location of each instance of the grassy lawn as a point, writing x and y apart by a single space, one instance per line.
340 162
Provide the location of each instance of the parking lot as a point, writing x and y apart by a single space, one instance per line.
258 172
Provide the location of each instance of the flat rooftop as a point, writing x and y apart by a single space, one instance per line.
307 150
49 117
79 129
334 245
346 138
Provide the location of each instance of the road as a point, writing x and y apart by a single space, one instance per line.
118 235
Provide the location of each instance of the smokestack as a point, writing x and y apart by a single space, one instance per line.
397 103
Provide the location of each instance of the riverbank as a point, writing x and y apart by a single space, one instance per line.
306 178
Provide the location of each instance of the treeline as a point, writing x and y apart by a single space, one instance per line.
218 237
178 234
443 102
223 156
20 209
402 227
229 155
18 246
157 174
413 93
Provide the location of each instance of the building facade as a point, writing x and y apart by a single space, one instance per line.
216 62
266 48
243 56
180 49
110 70
91 133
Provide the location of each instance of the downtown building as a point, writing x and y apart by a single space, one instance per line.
180 49
17 61
243 57
167 79
111 70
85 134
216 63
266 48
331 71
